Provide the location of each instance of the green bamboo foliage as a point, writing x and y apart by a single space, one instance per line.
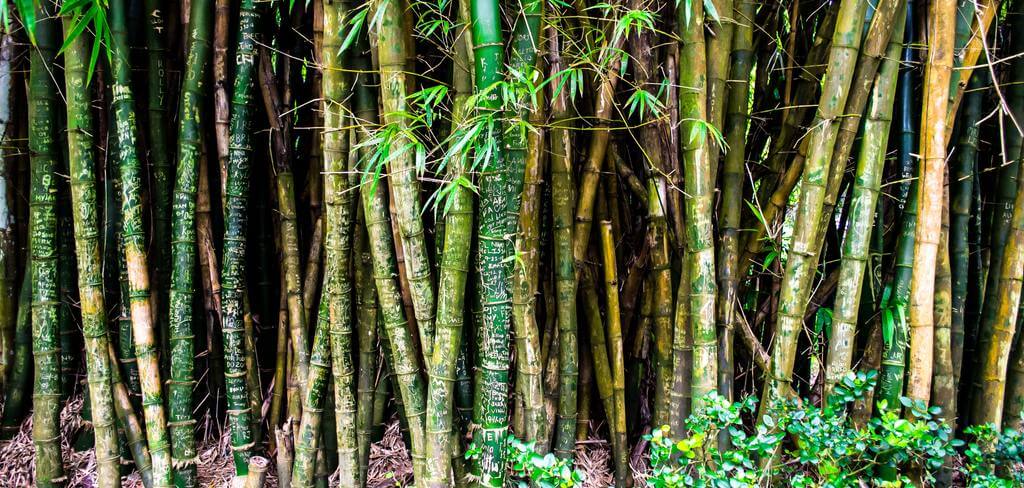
233 280
562 197
699 188
941 21
338 200
458 230
866 188
43 139
86 220
393 53
803 252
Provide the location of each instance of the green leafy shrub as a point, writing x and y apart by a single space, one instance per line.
810 446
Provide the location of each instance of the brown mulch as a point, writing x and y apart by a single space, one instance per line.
390 464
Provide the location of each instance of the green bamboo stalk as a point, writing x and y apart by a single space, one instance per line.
393 52
307 438
128 421
866 188
803 251
736 121
719 48
961 185
366 321
617 420
941 22
184 248
700 204
562 197
894 344
43 138
529 367
999 215
458 235
84 203
21 369
884 22
338 200
161 170
134 238
400 341
233 282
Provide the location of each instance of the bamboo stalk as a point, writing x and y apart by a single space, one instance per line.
83 196
699 187
803 252
941 21
233 282
43 249
562 196
866 189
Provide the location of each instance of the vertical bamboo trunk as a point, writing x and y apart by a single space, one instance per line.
699 188
737 116
307 438
454 259
338 200
84 203
14 396
796 281
562 195
866 188
961 182
400 341
943 392
161 170
894 344
719 48
128 421
529 366
393 52
617 416
183 230
43 249
233 282
941 22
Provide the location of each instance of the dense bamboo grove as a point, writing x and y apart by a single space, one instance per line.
293 222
